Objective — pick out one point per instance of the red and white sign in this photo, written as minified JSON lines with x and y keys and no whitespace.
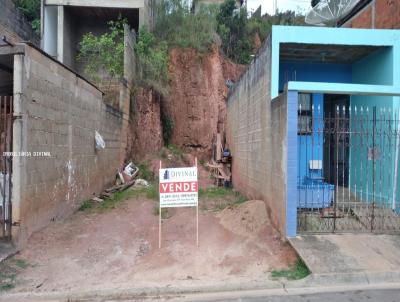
{"x":178,"y":187}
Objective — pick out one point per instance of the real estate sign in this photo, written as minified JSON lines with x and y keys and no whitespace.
{"x":178,"y":187}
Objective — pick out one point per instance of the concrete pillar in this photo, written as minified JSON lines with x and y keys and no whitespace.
{"x":60,"y":34}
{"x":17,"y":146}
{"x":143,"y":17}
{"x":50,"y":30}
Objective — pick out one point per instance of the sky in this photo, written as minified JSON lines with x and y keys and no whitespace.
{"x":283,"y":5}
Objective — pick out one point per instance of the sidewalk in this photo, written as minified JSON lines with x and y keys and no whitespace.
{"x":310,"y":284}
{"x":350,"y":258}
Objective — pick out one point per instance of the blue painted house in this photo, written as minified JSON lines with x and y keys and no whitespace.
{"x":339,"y":90}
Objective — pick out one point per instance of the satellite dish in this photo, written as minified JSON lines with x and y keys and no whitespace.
{"x":329,"y":12}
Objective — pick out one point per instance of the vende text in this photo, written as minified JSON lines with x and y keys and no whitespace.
{"x":178,"y":187}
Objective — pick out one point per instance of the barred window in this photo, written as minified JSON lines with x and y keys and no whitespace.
{"x":304,"y":122}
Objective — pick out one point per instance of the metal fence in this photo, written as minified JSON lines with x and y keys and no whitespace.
{"x":6,"y":118}
{"x":348,"y":169}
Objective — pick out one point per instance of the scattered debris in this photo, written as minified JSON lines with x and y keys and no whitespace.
{"x":220,"y":165}
{"x":97,"y":199}
{"x":120,"y":188}
{"x":131,"y":170}
{"x":141,"y":183}
{"x":100,"y":144}
{"x":124,"y":179}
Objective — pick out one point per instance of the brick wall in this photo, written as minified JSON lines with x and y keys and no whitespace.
{"x":14,"y":25}
{"x":381,"y":14}
{"x":59,"y":113}
{"x":257,"y":137}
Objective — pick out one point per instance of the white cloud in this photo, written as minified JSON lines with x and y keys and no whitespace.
{"x":283,"y":5}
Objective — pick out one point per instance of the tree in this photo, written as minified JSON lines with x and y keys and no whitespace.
{"x":233,"y":30}
{"x":104,"y":53}
{"x":31,"y":10}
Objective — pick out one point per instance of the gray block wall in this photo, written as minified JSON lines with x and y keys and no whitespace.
{"x":257,"y":137}
{"x":14,"y":25}
{"x":58,"y":112}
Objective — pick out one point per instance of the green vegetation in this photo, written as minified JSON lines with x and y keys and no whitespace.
{"x":216,"y":192}
{"x":9,"y":270}
{"x":168,"y":128}
{"x":176,"y":26}
{"x":104,"y":53}
{"x":152,"y":192}
{"x":298,"y":271}
{"x":179,"y":27}
{"x":152,"y":61}
{"x":31,"y":10}
{"x":218,"y":198}
{"x":165,"y":214}
{"x":145,"y":172}
{"x":113,"y":201}
{"x":176,"y":151}
{"x":238,"y":31}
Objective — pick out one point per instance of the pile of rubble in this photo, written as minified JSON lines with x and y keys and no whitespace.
{"x":220,"y":165}
{"x":125,"y":178}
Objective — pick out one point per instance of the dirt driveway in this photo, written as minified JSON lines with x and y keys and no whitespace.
{"x":118,"y":248}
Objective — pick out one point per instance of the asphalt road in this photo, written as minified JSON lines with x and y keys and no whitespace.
{"x":370,"y":295}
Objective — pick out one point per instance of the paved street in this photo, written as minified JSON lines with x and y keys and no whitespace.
{"x":372,"y":295}
{"x":354,"y":296}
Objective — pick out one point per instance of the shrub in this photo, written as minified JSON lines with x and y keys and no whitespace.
{"x":31,"y":10}
{"x":152,"y":59}
{"x":179,"y":27}
{"x":104,"y":53}
{"x":237,"y":31}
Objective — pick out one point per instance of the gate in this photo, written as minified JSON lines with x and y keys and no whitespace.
{"x":348,"y":174}
{"x":6,"y":118}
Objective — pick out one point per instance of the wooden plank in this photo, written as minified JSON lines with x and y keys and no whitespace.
{"x":218,"y":155}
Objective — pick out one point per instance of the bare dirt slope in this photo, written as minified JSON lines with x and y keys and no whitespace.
{"x":118,"y":248}
{"x":197,"y":103}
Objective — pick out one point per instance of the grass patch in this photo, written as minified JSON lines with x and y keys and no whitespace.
{"x":152,"y":192}
{"x":218,"y":198}
{"x":178,"y":153}
{"x":145,"y":172}
{"x":21,"y":263}
{"x":9,"y":270}
{"x":113,"y":201}
{"x":296,"y":272}
{"x":86,"y":205}
{"x":164,"y":212}
{"x":216,"y":192}
{"x":118,"y":197}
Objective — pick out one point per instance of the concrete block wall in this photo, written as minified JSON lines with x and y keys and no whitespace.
{"x":257,"y":137}
{"x":58,"y":112}
{"x":14,"y":25}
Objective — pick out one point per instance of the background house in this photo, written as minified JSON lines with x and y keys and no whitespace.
{"x":198,"y":3}
{"x":373,"y":14}
{"x":312,"y":128}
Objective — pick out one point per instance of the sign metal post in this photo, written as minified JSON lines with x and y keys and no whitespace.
{"x":178,"y":188}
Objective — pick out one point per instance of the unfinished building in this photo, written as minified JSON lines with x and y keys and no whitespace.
{"x":64,"y":22}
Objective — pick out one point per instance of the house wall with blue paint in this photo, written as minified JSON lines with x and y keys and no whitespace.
{"x":375,"y":69}
{"x":310,"y":147}
{"x":256,"y":105}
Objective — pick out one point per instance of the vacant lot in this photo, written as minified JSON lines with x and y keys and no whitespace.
{"x":114,"y":245}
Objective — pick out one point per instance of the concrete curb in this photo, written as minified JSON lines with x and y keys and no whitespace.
{"x":278,"y":287}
